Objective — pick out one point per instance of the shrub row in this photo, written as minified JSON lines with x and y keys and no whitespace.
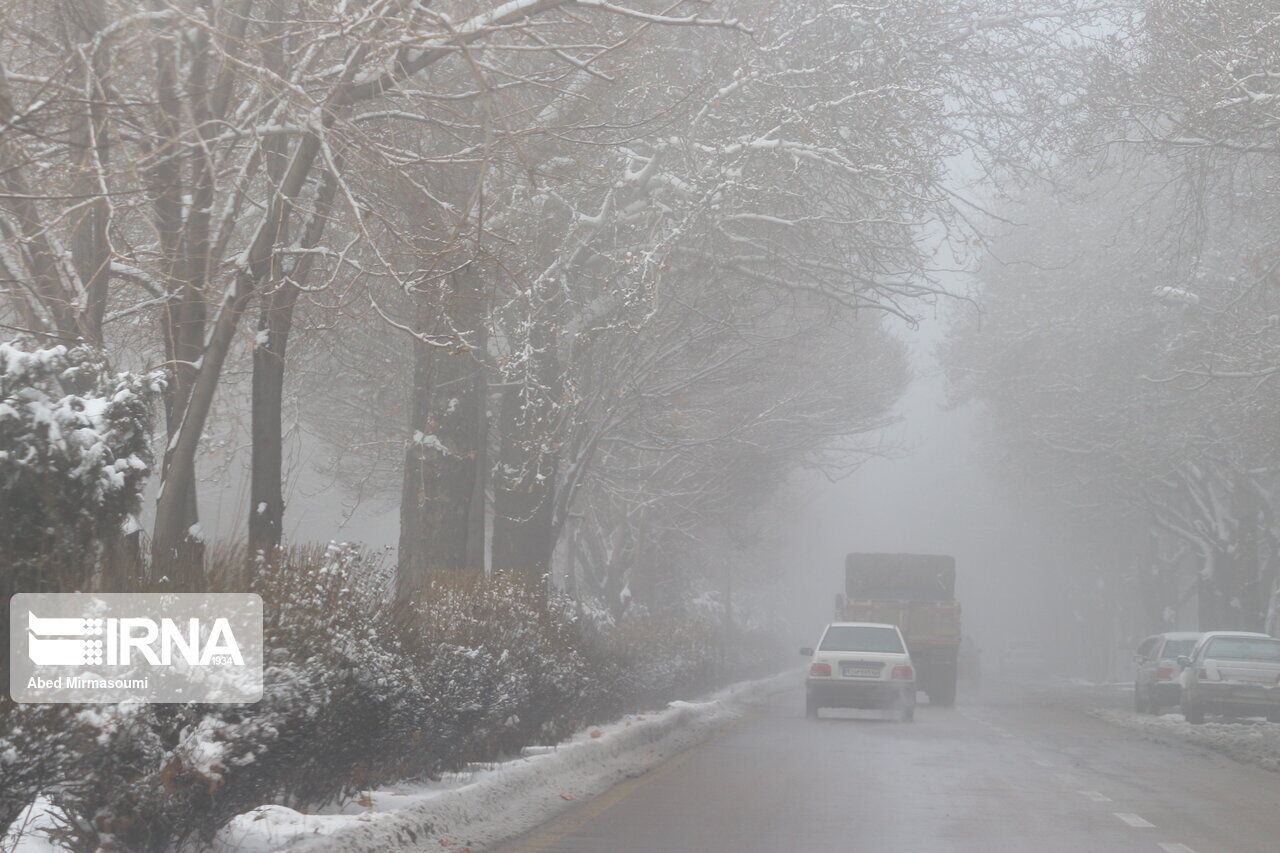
{"x":359,"y":692}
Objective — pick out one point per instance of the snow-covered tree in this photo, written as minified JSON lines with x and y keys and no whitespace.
{"x":1084,"y":364}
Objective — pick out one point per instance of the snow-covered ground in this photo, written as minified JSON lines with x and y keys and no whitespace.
{"x":475,"y":809}
{"x":487,"y":803}
{"x":27,"y":834}
{"x":1250,"y":741}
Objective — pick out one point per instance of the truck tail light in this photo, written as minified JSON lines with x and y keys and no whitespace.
{"x":1202,"y":673}
{"x":1164,"y":673}
{"x":905,"y":673}
{"x":820,"y":669}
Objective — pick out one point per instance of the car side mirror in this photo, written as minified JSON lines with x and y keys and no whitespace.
{"x":1139,"y":658}
{"x":807,"y":652}
{"x":1184,"y":661}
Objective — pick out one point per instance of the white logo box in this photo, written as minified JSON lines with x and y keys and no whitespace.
{"x":152,"y":647}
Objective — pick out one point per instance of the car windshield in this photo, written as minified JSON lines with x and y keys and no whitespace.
{"x":860,"y":638}
{"x":1244,"y":648}
{"x":1173,"y":648}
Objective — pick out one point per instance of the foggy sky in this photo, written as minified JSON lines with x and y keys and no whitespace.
{"x":932,"y":495}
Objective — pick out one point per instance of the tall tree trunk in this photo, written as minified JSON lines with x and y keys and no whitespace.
{"x":275,"y":321}
{"x":1230,"y":598}
{"x":1213,"y":610}
{"x":90,"y":251}
{"x":55,"y":295}
{"x":524,"y":532}
{"x":436,"y":515}
{"x":1272,"y":623}
{"x":183,"y":327}
{"x":1154,"y":581}
{"x":266,"y":467}
{"x":477,"y":515}
{"x":1232,"y":595}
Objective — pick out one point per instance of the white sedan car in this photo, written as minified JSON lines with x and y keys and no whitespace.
{"x":860,"y":665}
{"x":1232,"y":672}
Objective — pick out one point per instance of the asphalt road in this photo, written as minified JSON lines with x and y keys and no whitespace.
{"x":1002,"y":771}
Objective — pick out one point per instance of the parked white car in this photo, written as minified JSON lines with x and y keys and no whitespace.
{"x":1232,"y":672}
{"x":860,"y":665}
{"x":1157,"y":682}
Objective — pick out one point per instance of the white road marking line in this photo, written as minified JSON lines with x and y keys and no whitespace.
{"x":1168,"y":847}
{"x":1133,"y":820}
{"x":1096,"y":796}
{"x":1067,"y":778}
{"x":1041,"y":762}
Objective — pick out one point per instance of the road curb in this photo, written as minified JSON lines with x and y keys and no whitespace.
{"x":521,"y":794}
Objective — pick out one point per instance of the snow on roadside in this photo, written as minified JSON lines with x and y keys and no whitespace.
{"x":1249,"y":742}
{"x":495,"y":802}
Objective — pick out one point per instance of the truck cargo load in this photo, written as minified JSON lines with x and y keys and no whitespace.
{"x":910,"y":577}
{"x":916,"y":592}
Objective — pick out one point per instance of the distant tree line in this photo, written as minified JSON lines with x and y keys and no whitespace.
{"x":1128,"y":351}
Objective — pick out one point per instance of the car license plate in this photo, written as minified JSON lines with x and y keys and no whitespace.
{"x":860,"y":672}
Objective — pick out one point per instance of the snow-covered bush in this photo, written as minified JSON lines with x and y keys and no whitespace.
{"x":74,"y":456}
{"x":103,"y":768}
{"x":654,"y":657}
{"x":358,"y":692}
{"x":34,"y":749}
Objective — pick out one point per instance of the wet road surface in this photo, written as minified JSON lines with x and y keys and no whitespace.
{"x":1000,"y":772}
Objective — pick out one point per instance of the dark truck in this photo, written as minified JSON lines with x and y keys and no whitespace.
{"x":916,"y":592}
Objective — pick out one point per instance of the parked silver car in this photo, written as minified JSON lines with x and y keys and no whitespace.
{"x":1157,"y":683}
{"x":1232,"y":672}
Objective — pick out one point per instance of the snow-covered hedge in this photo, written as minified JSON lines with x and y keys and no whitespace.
{"x":358,"y":693}
{"x":74,"y":456}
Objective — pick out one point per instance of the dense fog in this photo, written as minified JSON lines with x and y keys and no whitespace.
{"x":480,"y":403}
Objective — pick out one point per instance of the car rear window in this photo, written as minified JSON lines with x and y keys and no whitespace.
{"x":860,"y":638}
{"x":1243,"y":648}
{"x":1173,"y":648}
